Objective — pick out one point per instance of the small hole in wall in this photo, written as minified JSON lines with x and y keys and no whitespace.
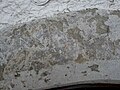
{"x":68,"y":67}
{"x":106,"y":75}
{"x":17,"y":75}
{"x":65,"y":74}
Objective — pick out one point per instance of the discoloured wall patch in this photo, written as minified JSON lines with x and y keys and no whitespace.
{"x":101,"y":28}
{"x":37,"y":66}
{"x":116,"y":12}
{"x":1,"y":72}
{"x":80,"y":59}
{"x":93,"y":11}
{"x":75,"y":33}
{"x":94,"y":67}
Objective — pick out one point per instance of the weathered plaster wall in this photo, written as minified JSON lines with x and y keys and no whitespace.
{"x":58,"y":43}
{"x":70,"y":47}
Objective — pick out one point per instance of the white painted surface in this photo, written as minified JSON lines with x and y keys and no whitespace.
{"x":19,"y":11}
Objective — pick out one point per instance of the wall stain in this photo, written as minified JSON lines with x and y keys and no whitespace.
{"x":89,"y":10}
{"x":94,"y":67}
{"x":37,"y":66}
{"x":101,"y":28}
{"x":45,"y":74}
{"x":115,"y":12}
{"x":84,"y":73}
{"x":1,"y":72}
{"x":54,"y":24}
{"x":80,"y":59}
{"x":75,"y":33}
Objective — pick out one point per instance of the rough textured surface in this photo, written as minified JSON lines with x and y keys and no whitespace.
{"x":70,"y":47}
{"x":19,"y":11}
